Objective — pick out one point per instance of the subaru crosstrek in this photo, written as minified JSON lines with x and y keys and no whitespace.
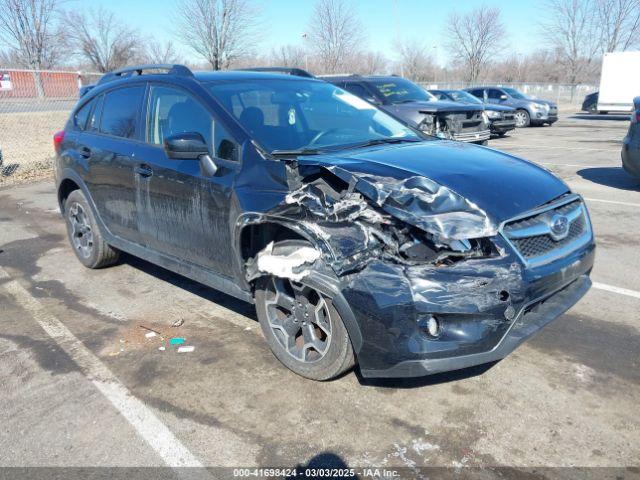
{"x":358,"y":238}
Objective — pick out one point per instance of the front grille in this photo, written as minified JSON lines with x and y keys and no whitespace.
{"x":475,"y":136}
{"x":535,"y":240}
{"x":508,"y":116}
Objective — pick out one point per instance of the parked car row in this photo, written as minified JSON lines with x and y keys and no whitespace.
{"x":359,"y":238}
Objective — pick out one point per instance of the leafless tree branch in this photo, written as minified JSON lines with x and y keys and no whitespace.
{"x":335,"y":34}
{"x":102,"y":40}
{"x":475,"y":37}
{"x":28,"y":28}
{"x":219,"y":31}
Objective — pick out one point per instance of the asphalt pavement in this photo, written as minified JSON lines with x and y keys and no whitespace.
{"x":83,"y":385}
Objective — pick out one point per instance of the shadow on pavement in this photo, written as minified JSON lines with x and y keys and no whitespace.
{"x":614,"y":117}
{"x":417,"y":382}
{"x":207,"y":293}
{"x":322,"y":466}
{"x":614,"y":177}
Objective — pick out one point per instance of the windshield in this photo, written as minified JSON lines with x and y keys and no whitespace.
{"x":306,"y":115}
{"x":462,"y":96}
{"x":516,"y":94}
{"x":399,"y":90}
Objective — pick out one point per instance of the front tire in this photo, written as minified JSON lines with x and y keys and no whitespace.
{"x":84,"y":234}
{"x":302,"y":327}
{"x":522,"y":118}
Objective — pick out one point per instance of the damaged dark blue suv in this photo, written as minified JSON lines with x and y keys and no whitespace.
{"x":358,"y":238}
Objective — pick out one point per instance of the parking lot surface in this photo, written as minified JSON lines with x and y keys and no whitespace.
{"x":84,"y":386}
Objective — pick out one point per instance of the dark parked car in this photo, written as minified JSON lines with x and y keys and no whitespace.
{"x":590,"y":103}
{"x":631,"y":143}
{"x":502,"y":119}
{"x":529,"y":111}
{"x":415,"y":106}
{"x":356,"y":236}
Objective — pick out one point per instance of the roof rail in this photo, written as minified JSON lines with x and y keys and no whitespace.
{"x":297,"y":72}
{"x":339,"y":75}
{"x":138,"y":69}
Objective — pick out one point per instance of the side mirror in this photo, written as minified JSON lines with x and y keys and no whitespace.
{"x":503,"y":97}
{"x":186,"y":146}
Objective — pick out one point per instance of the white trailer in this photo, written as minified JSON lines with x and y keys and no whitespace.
{"x":619,"y":81}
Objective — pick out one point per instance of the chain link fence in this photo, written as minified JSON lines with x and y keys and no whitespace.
{"x":33,"y":106}
{"x":36,"y":104}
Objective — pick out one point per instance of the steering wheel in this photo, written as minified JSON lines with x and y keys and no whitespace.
{"x":322,"y":134}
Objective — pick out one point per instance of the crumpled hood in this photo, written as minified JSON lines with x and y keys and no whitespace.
{"x":438,"y":106}
{"x":501,"y":185}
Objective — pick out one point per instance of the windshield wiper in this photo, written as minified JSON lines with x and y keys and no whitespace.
{"x":383,"y":141}
{"x":300,"y":151}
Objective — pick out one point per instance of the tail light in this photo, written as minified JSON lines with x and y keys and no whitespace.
{"x":58,"y":137}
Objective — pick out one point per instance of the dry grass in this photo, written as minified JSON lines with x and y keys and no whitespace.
{"x":26,"y":142}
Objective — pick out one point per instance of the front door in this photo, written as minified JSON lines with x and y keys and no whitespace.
{"x":183,"y":212}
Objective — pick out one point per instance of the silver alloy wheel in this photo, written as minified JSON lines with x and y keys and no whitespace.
{"x":81,"y":233}
{"x":521,"y":118}
{"x":299,"y":318}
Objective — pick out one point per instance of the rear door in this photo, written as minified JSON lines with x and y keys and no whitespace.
{"x":110,"y":144}
{"x":183,"y":212}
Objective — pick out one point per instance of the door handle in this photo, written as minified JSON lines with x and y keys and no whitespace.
{"x":85,"y":152}
{"x":143,"y":170}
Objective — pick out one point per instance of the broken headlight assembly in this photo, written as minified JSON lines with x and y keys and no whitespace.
{"x":429,"y":124}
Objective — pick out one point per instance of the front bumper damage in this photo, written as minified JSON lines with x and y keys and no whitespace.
{"x":460,"y":126}
{"x":386,"y":283}
{"x":503,"y":126}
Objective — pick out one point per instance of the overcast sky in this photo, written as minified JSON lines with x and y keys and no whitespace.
{"x":286,"y":20}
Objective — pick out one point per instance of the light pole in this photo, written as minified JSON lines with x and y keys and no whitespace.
{"x":306,"y":53}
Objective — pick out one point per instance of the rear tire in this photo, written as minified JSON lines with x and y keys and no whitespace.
{"x":300,"y":324}
{"x":84,"y":234}
{"x":522,"y":118}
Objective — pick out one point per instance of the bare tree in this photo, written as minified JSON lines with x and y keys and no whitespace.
{"x":335,"y":34}
{"x":29,"y":29}
{"x":475,"y":37}
{"x":415,"y":61}
{"x":103,"y":41}
{"x":572,"y":31}
{"x":619,"y":24}
{"x":370,"y":63}
{"x":289,"y":56}
{"x":158,"y":52}
{"x":219,"y":31}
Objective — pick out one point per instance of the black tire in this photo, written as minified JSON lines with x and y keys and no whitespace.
{"x":84,"y":234}
{"x":336,"y":355}
{"x":522,"y":118}
{"x":502,"y":134}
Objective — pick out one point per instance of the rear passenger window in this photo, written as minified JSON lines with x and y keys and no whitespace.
{"x":82,"y":115}
{"x":120,"y":112}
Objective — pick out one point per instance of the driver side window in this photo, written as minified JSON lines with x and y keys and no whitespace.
{"x":173,"y":111}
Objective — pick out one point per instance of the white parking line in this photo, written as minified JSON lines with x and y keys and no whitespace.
{"x":576,"y":165}
{"x":143,"y":420}
{"x":614,"y":202}
{"x":618,"y":290}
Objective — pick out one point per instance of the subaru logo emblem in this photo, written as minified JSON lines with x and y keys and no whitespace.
{"x":559,"y":227}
